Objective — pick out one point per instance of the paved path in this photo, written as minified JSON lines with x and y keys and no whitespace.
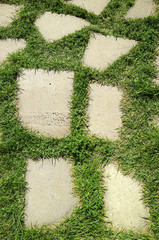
{"x":45,"y":105}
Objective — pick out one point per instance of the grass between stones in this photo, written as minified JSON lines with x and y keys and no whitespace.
{"x":137,"y":150}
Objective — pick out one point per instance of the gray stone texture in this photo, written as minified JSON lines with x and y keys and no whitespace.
{"x":91,"y":5}
{"x":10,"y":46}
{"x":124,"y":206}
{"x":104,"y":111}
{"x":44,"y":101}
{"x":49,"y":196}
{"x":7,"y":12}
{"x":141,"y":9}
{"x":54,"y":26}
{"x":102,"y":50}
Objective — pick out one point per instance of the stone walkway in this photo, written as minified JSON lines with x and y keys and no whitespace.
{"x":44,"y":103}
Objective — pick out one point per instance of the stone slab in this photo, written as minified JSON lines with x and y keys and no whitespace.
{"x":7,"y":12}
{"x":104,"y":50}
{"x":104,"y":111}
{"x":44,"y":101}
{"x":49,"y":196}
{"x":141,"y":9}
{"x":123,"y":201}
{"x":10,"y":46}
{"x":54,"y":26}
{"x":91,"y":5}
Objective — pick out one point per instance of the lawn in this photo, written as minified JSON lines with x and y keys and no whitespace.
{"x":137,"y":150}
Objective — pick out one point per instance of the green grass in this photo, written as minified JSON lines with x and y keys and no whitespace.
{"x":137,"y":151}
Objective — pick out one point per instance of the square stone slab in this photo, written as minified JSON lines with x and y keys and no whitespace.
{"x":10,"y":46}
{"x":49,"y":197}
{"x":54,"y":26}
{"x":44,"y":99}
{"x":104,"y":111}
{"x":123,"y":201}
{"x":104,"y":50}
{"x":91,"y":5}
{"x":141,"y":9}
{"x":7,"y":12}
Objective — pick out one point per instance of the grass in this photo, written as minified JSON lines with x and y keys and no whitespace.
{"x":137,"y":151}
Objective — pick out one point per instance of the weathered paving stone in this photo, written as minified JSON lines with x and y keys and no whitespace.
{"x":49,"y":197}
{"x":123,"y":201}
{"x":7,"y":12}
{"x":91,"y":5}
{"x":141,"y":9}
{"x":10,"y":46}
{"x":104,"y":111}
{"x":104,"y":50}
{"x":44,"y":101}
{"x":54,"y":26}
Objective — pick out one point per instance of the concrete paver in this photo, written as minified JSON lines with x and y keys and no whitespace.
{"x":54,"y":26}
{"x":9,"y":46}
{"x":44,"y":101}
{"x":49,"y":197}
{"x":91,"y":5}
{"x":7,"y":12}
{"x":104,"y":111}
{"x":123,"y":201}
{"x":104,"y":50}
{"x":141,"y":9}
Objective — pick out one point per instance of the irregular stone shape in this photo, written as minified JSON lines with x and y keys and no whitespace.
{"x":123,"y":201}
{"x":104,"y":111}
{"x":91,"y":5}
{"x":141,"y":9}
{"x":44,"y":101}
{"x":10,"y":46}
{"x":54,"y":26}
{"x":49,"y":196}
{"x":104,"y":50}
{"x":7,"y":12}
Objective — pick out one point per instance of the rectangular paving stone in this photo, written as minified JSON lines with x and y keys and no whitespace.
{"x":49,"y":196}
{"x":104,"y":111}
{"x":44,"y":101}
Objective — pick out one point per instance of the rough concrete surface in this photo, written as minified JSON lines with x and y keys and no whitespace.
{"x":7,"y":12}
{"x":49,"y":197}
{"x":10,"y":46}
{"x":104,"y":50}
{"x":54,"y":26}
{"x":141,"y":9}
{"x":104,"y":111}
{"x":44,"y":101}
{"x":123,"y":201}
{"x":91,"y":5}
